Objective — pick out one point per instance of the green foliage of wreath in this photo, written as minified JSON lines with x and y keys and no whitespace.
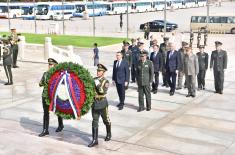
{"x":84,"y":76}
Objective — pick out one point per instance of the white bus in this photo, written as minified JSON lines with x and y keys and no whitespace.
{"x":189,"y":3}
{"x":100,"y":8}
{"x":14,"y":10}
{"x":27,"y":11}
{"x":217,"y":23}
{"x":47,"y":10}
{"x":201,"y":3}
{"x":143,"y":6}
{"x":177,"y":4}
{"x":159,"y":5}
{"x":118,"y":7}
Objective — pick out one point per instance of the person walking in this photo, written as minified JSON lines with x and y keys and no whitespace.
{"x":120,"y":78}
{"x":96,"y":54}
{"x":164,"y":47}
{"x":100,"y":106}
{"x":156,"y":58}
{"x":145,"y":73}
{"x":203,"y":66}
{"x":182,"y":52}
{"x":219,"y":62}
{"x":43,"y":83}
{"x":172,"y":67}
{"x":134,"y":59}
{"x":191,"y":70}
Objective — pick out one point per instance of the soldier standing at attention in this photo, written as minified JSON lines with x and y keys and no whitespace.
{"x":14,"y":43}
{"x":205,"y":37}
{"x":191,"y":70}
{"x":127,"y":54}
{"x":96,"y":54}
{"x":203,"y":66}
{"x":182,"y":52}
{"x":191,"y":39}
{"x":134,"y":58}
{"x":7,"y":62}
{"x":43,"y":83}
{"x":100,"y":105}
{"x":218,"y":62}
{"x":145,"y":73}
{"x":163,"y":49}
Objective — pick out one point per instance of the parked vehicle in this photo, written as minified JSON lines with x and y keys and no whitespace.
{"x":158,"y":26}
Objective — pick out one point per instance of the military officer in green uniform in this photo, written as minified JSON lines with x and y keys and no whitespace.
{"x":7,"y":62}
{"x":127,"y":54}
{"x":100,"y":105}
{"x":14,"y":46}
{"x":218,"y":62}
{"x":145,"y":74}
{"x":164,"y":48}
{"x":43,"y":83}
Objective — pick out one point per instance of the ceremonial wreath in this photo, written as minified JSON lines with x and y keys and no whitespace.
{"x":70,"y":90}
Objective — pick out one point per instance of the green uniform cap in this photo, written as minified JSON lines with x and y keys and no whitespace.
{"x":101,"y":68}
{"x":52,"y":61}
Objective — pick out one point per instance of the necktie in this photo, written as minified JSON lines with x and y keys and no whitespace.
{"x":118,"y":64}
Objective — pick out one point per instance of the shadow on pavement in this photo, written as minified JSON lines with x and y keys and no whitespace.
{"x":69,"y":134}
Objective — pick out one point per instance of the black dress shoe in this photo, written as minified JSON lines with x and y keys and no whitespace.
{"x":44,"y":133}
{"x":140,"y":109}
{"x":120,"y":108}
{"x":148,"y":109}
{"x":11,"y":83}
{"x":6,"y":83}
{"x":178,"y":88}
{"x":119,"y":105}
{"x":15,"y":66}
{"x":59,"y":129}
{"x":188,"y":95}
{"x":203,"y":88}
{"x":220,"y":92}
{"x":171,"y":93}
{"x":155,"y":91}
{"x":193,"y":95}
{"x":216,"y":92}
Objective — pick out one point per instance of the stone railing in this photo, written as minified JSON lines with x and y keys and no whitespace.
{"x":51,"y":51}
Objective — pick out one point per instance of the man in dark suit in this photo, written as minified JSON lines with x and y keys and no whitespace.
{"x":156,"y":58}
{"x":120,"y":77}
{"x":218,"y":62}
{"x":172,"y":67}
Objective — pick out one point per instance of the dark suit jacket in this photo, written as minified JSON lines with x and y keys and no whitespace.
{"x":219,"y":60}
{"x":202,"y":60}
{"x":121,"y":74}
{"x":157,"y":61}
{"x":172,"y":63}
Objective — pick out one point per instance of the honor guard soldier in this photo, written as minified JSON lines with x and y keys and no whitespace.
{"x":163,"y":49}
{"x":199,"y":36}
{"x":100,"y":105}
{"x":203,"y":66}
{"x":191,"y":38}
{"x":218,"y":62}
{"x":7,"y":62}
{"x":145,"y":72}
{"x":43,"y":83}
{"x":14,"y":44}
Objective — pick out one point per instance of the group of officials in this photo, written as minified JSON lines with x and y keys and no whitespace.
{"x":9,"y":53}
{"x":145,"y":68}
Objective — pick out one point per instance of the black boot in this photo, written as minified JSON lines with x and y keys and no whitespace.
{"x":61,"y":125}
{"x":108,"y":130}
{"x":94,"y":137}
{"x":45,"y":127}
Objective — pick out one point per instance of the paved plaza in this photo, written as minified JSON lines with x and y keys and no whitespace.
{"x":176,"y":125}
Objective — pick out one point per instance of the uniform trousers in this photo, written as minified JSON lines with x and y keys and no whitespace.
{"x":96,"y":113}
{"x":144,"y":90}
{"x":219,"y":80}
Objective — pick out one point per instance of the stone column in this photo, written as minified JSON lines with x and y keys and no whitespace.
{"x":21,"y":47}
{"x":47,"y":48}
